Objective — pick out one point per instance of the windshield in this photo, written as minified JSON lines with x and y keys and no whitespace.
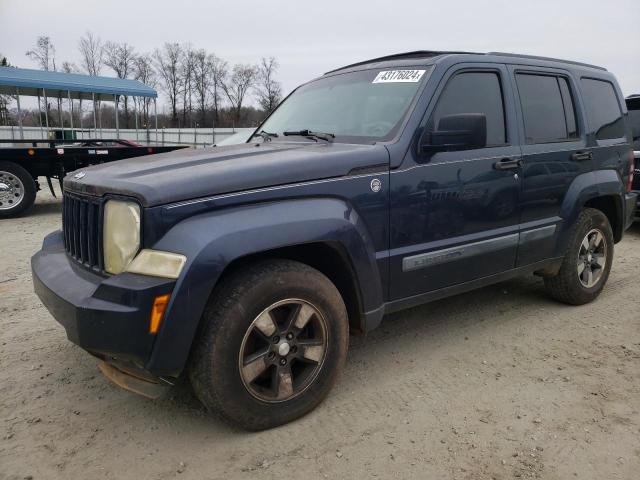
{"x":358,"y":107}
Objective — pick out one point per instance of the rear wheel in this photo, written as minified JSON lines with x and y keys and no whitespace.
{"x":273,"y":343}
{"x":587,"y":261}
{"x":17,"y":189}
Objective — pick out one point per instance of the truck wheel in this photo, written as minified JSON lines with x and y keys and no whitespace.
{"x":17,"y":189}
{"x":273,"y":342}
{"x":587,"y":261}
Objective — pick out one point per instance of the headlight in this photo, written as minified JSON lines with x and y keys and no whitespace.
{"x":121,"y":237}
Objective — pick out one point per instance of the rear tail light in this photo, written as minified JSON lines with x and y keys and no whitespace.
{"x":631,"y":169}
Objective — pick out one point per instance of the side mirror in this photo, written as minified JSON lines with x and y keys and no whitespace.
{"x":463,"y":131}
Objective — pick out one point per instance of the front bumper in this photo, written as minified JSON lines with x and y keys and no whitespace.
{"x":106,"y":315}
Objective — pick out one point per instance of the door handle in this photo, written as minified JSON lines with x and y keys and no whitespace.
{"x":581,"y":156}
{"x":508,"y":164}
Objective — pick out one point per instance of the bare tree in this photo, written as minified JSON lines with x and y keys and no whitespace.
{"x":168,"y":66}
{"x":5,"y":100}
{"x":186,"y":71}
{"x":44,"y":53}
{"x":143,"y":71}
{"x":219,"y":72}
{"x":208,"y":73}
{"x":91,"y":50}
{"x":236,"y":86}
{"x":120,"y":58}
{"x":268,"y":90}
{"x":92,"y":53}
{"x":202,"y":80}
{"x":70,"y":67}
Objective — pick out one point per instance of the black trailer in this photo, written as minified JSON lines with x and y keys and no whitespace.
{"x":23,"y":161}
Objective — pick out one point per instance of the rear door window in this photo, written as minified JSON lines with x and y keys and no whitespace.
{"x":603,"y":109}
{"x":547,"y":108}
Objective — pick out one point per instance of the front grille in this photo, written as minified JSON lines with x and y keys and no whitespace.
{"x":81,"y":224}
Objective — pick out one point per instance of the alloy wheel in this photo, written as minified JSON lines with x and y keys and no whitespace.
{"x":592,"y":258}
{"x":283,"y":350}
{"x":11,"y":191}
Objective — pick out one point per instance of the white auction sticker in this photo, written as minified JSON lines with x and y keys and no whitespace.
{"x":393,"y":76}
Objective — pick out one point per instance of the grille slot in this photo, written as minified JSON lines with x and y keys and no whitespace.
{"x":81,"y":220}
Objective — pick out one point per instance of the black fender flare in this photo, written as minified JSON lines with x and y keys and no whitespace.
{"x":586,"y":187}
{"x":212,"y":240}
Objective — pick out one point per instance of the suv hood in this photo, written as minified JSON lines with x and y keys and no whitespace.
{"x":187,"y":174}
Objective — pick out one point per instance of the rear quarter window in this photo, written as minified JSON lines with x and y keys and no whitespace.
{"x":603,"y":110}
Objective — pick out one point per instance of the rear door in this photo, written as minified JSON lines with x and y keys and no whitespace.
{"x":554,"y":151}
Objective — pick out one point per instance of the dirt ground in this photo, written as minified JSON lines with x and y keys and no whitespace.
{"x":500,"y":383}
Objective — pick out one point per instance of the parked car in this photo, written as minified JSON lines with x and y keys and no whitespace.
{"x":377,"y":187}
{"x":633,"y":106}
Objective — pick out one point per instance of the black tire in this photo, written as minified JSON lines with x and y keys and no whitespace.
{"x":567,"y":286}
{"x":27,"y":190}
{"x":215,"y":364}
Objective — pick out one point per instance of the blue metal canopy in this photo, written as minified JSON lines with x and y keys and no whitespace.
{"x":30,"y":82}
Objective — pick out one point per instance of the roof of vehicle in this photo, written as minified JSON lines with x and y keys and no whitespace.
{"x":431,"y":56}
{"x":32,"y":82}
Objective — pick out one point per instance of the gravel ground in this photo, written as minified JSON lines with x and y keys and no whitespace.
{"x":499,"y":383}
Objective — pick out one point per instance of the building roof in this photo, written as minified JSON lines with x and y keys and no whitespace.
{"x":32,"y":82}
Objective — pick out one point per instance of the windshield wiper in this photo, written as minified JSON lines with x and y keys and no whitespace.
{"x":309,"y":134}
{"x":266,"y":136}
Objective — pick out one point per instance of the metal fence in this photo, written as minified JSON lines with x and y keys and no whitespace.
{"x":196,"y":137}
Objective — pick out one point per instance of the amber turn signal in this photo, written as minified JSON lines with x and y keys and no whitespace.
{"x":157,"y":312}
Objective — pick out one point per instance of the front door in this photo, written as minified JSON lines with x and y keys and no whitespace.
{"x":454,"y":214}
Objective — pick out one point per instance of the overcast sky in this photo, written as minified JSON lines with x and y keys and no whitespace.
{"x":311,"y":37}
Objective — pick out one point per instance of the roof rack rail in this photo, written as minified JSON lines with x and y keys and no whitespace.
{"x":398,"y":56}
{"x":550,"y":59}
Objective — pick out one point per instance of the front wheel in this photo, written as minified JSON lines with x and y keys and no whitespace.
{"x":587,"y":261}
{"x":273,"y":342}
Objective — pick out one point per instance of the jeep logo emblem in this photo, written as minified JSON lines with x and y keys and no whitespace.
{"x":79,"y":175}
{"x":376,"y":185}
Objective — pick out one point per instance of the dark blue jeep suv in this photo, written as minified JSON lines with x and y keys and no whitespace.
{"x":376,"y":187}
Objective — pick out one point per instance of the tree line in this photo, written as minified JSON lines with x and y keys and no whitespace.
{"x":201,"y":89}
